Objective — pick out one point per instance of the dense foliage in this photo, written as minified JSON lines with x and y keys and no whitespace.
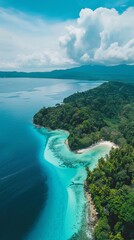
{"x":106,"y":112}
{"x":111,"y":185}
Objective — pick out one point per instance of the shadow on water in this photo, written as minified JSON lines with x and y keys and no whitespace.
{"x":21,"y":194}
{"x":23,"y":179}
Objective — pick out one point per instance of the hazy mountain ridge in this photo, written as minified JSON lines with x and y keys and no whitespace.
{"x":86,"y":72}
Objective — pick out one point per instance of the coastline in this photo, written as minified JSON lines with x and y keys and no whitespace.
{"x":80,"y":151}
{"x":92,"y":215}
{"x":99,"y":143}
{"x":92,"y":212}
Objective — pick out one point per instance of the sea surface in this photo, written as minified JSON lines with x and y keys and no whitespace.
{"x":41,"y":180}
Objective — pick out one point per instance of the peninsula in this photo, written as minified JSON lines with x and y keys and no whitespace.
{"x":104,"y":113}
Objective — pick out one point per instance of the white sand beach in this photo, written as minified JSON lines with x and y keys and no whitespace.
{"x":100,"y":143}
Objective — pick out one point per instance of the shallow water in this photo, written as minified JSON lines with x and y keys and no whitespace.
{"x":37,"y":200}
{"x":70,"y":202}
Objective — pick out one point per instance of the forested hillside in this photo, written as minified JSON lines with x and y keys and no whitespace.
{"x":106,"y":112}
{"x":111,"y":185}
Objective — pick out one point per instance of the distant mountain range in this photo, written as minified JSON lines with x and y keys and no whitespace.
{"x":86,"y":72}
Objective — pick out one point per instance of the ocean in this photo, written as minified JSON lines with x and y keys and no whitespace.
{"x":41,"y":180}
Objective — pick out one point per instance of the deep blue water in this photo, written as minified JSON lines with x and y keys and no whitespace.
{"x":25,"y":176}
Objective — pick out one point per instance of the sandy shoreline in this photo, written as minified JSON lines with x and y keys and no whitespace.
{"x":100,"y":143}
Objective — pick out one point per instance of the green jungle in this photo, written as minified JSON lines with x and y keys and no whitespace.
{"x":103,"y":113}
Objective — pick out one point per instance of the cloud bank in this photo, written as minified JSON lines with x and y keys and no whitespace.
{"x":30,"y":43}
{"x":102,"y":36}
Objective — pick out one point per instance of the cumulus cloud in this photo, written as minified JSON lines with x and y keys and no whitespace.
{"x":30,"y":43}
{"x":102,"y":36}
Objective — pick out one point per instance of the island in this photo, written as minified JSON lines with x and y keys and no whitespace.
{"x":104,"y":113}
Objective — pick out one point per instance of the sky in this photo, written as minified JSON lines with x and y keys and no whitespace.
{"x":45,"y":35}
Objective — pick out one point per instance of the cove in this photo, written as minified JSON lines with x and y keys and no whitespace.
{"x":41,"y":190}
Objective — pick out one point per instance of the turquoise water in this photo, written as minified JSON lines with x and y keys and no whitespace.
{"x":41,"y":180}
{"x":69,"y":198}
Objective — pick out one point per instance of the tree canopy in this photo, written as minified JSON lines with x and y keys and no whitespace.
{"x":106,"y":112}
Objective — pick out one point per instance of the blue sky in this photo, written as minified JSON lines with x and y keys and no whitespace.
{"x":44,"y":35}
{"x":62,"y":9}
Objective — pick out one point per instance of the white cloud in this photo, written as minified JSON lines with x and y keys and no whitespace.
{"x":30,"y":43}
{"x":102,"y":36}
